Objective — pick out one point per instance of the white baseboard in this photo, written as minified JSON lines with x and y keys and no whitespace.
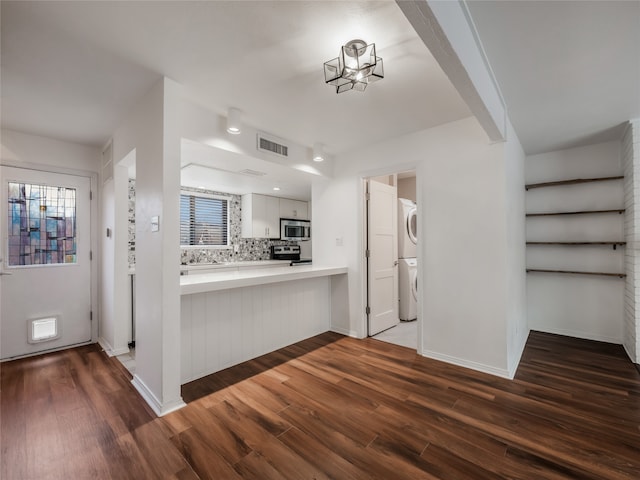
{"x":518,"y":356}
{"x":498,"y":372}
{"x":344,"y":331}
{"x":631,"y":357}
{"x":109,"y":350}
{"x":153,"y":401}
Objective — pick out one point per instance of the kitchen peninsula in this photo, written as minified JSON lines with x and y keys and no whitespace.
{"x":228,"y":317}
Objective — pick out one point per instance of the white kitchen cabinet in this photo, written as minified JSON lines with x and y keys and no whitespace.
{"x":260,"y":216}
{"x":294,"y":209}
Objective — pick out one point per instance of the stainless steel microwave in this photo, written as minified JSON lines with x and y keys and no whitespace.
{"x":295,"y":230}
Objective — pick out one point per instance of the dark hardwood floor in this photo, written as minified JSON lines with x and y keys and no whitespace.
{"x":330,"y":407}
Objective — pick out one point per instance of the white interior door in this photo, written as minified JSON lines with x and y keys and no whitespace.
{"x":382,"y":268}
{"x":45,"y":282}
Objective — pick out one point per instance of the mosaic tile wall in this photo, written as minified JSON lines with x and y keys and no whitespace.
{"x":132,"y":222}
{"x":249,"y":249}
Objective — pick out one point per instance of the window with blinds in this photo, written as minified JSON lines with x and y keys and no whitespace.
{"x":204,"y":220}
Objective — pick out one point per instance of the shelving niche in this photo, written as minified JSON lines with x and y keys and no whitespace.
{"x":613,"y":244}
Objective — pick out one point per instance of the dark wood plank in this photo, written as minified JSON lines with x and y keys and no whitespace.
{"x":577,"y":243}
{"x":581,"y":212}
{"x":331,"y":407}
{"x":576,"y":272}
{"x":573,"y":181}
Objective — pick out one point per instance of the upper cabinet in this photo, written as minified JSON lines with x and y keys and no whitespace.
{"x":294,"y":209}
{"x":260,"y":216}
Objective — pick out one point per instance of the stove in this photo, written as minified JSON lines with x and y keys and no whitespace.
{"x":285,"y":252}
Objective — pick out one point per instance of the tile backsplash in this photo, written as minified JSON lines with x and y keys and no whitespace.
{"x":132,"y":222}
{"x":248,"y":249}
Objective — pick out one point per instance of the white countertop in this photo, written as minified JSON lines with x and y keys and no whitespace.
{"x":194,"y":267}
{"x":224,"y":280}
{"x":239,"y":264}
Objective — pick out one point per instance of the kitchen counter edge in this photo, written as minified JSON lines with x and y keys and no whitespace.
{"x":210,"y":282}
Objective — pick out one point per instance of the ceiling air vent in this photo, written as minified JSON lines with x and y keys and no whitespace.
{"x":255,"y":173}
{"x":272,"y":145}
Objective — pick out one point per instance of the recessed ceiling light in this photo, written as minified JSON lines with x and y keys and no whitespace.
{"x":277,"y":189}
{"x":318,"y":152}
{"x":233,"y":121}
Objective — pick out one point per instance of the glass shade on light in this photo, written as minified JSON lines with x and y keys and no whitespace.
{"x":355,"y":67}
{"x":233,"y":121}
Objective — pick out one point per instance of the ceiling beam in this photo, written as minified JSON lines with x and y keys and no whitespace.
{"x":448,"y":32}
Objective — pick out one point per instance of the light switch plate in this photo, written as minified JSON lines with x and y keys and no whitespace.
{"x":155,"y":223}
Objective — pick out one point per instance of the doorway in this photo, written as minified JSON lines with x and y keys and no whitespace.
{"x":45,"y":282}
{"x":391,"y":256}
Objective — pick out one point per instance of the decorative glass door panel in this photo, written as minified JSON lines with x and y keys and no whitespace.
{"x":41,"y":224}
{"x":45,"y":272}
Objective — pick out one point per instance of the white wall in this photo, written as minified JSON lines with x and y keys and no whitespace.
{"x":576,"y":305}
{"x":224,"y":328}
{"x":35,"y":151}
{"x":115,"y":317}
{"x":518,"y":328}
{"x":336,"y":226}
{"x":152,"y":130}
{"x":204,"y":126}
{"x":407,"y":188}
{"x":631,"y":162}
{"x":107,"y":262}
{"x":462,"y":249}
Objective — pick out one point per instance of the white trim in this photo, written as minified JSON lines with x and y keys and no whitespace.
{"x":344,"y":331}
{"x":42,"y":352}
{"x":480,"y":367}
{"x":109,"y":350}
{"x":148,"y":396}
{"x":95,"y":218}
{"x":363,"y":177}
{"x":94,"y":245}
{"x":633,"y":360}
{"x":518,"y":356}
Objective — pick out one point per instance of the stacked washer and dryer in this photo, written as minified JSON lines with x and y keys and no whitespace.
{"x":408,"y":274}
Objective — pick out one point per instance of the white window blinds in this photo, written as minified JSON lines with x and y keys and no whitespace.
{"x":203,"y":220}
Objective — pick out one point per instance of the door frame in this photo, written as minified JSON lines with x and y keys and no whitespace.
{"x":362,"y":246}
{"x":96,"y":193}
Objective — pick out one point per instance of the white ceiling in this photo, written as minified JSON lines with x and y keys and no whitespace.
{"x":569,"y":70}
{"x":220,"y":170}
{"x":71,"y":70}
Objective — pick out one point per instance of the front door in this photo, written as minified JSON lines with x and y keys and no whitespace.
{"x":45,"y":267}
{"x":382,"y":265}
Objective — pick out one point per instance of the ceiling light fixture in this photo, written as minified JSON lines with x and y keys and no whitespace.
{"x":355,"y":68}
{"x":318,"y":152}
{"x":233,"y":121}
{"x":277,"y":189}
